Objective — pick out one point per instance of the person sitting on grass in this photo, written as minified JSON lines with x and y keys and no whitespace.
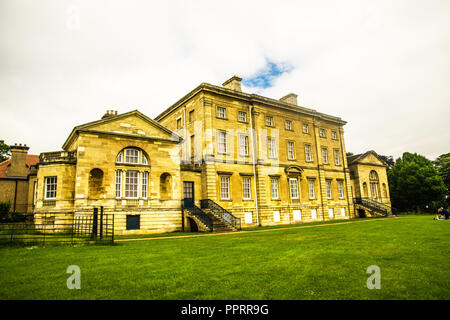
{"x":444,"y":214}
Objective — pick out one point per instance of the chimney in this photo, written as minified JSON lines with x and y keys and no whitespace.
{"x":290,"y":98}
{"x":109,"y":113}
{"x":18,"y":167}
{"x":234,"y":83}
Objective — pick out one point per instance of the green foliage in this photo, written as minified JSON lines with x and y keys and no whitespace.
{"x":5,"y":151}
{"x":389,"y":161}
{"x":415,"y":183}
{"x":442,"y":165}
{"x":4,"y":208}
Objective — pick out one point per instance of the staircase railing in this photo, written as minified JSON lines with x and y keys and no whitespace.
{"x":221,"y":213}
{"x":200,"y":215}
{"x":374,"y":205}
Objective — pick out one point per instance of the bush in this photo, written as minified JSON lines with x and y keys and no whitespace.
{"x":4,"y":208}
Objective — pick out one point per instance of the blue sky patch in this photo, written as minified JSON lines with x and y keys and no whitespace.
{"x":264,"y":78}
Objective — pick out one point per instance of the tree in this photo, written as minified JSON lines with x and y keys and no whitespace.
{"x":442,"y":165}
{"x":348,"y":154}
{"x":415,"y":183}
{"x":5,"y":151}
{"x":389,"y":161}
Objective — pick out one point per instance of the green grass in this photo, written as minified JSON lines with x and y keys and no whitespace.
{"x":326,"y":262}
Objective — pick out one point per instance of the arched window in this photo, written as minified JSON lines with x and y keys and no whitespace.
{"x":373,"y":175}
{"x":165,"y":186}
{"x":132,"y":156}
{"x":95,"y":183}
{"x":374,"y":185}
{"x":365,"y":193}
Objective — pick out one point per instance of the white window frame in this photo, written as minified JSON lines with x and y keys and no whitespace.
{"x":242,"y":116}
{"x":222,"y":143}
{"x":341,"y":189}
{"x":311,"y":189}
{"x":297,"y":215}
{"x":291,"y":150}
{"x":333,"y":135}
{"x":337,"y":159}
{"x":269,"y":121}
{"x":127,"y":190}
{"x":144,"y":191}
{"x":342,"y":212}
{"x":271,"y":145}
{"x":243,"y":145}
{"x":314,"y":214}
{"x":246,"y":188}
{"x":221,"y":112}
{"x":274,"y":183}
{"x":293,"y":188}
{"x":308,"y":153}
{"x":288,"y":125}
{"x":135,"y":155}
{"x":118,"y":184}
{"x":48,"y":181}
{"x":329,"y":190}
{"x":305,"y":128}
{"x":325,"y":155}
{"x":248,"y":217}
{"x":225,"y":188}
{"x":322,"y":133}
{"x":330,"y":212}
{"x":276,"y":216}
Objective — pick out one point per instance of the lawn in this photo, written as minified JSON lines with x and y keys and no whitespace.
{"x":318,"y":262}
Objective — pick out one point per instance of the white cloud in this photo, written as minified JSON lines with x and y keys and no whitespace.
{"x":381,"y":65}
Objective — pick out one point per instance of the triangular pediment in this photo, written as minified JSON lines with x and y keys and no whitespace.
{"x":370,"y":157}
{"x":133,"y":123}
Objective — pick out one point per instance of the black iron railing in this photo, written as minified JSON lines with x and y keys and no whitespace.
{"x":201,"y":216}
{"x":221,"y":213}
{"x":374,"y":205}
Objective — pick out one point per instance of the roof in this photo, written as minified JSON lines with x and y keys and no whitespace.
{"x":32,"y":159}
{"x":249,"y":98}
{"x":116,"y":117}
{"x":358,"y":157}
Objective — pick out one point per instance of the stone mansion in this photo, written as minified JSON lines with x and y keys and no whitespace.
{"x":218,"y":159}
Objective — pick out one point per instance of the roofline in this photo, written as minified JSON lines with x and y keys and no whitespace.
{"x":108,"y":119}
{"x":249,"y":98}
{"x":360,"y":156}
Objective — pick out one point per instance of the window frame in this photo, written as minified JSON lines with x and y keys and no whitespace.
{"x":291,"y":151}
{"x":246,"y":182}
{"x":46,"y":185}
{"x":223,"y":143}
{"x":296,"y":190}
{"x":127,"y":184}
{"x":308,"y":146}
{"x":244,"y":120}
{"x":325,"y":155}
{"x":337,"y":158}
{"x":341,"y":189}
{"x":227,"y":189}
{"x":272,"y":146}
{"x":275,"y":182}
{"x":329,"y":189}
{"x":305,"y":126}
{"x":312,"y":189}
{"x":219,"y":112}
{"x":269,"y":123}
{"x":286,"y":126}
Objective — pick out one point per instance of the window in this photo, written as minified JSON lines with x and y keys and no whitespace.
{"x":330,"y":213}
{"x":312,"y":194}
{"x":132,"y":156}
{"x":305,"y":128}
{"x":243,"y":144}
{"x":314,"y":214}
{"x":222,"y":141}
{"x":293,"y":186}
{"x":343,"y":212}
{"x":325,"y":155}
{"x":246,"y":194}
{"x":308,"y":154}
{"x":274,"y":185}
{"x":118,"y":183}
{"x":341,"y":189}
{"x":133,"y":222}
{"x":248,"y":218}
{"x":276,"y":216}
{"x":373,"y":175}
{"x":131,"y":184}
{"x":288,"y":124}
{"x":179,"y":123}
{"x":291,"y":153}
{"x":329,"y":194}
{"x":322,"y":133}
{"x":191,"y":115}
{"x":297,"y":215}
{"x":334,"y":135}
{"x":271,"y":145}
{"x":144,"y":184}
{"x":221,"y":113}
{"x":374,"y":190}
{"x":242,"y":116}
{"x":337,"y":160}
{"x":50,"y":188}
{"x":225,"y":188}
{"x":269,"y":121}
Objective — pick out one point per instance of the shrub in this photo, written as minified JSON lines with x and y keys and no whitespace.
{"x":4,"y":209}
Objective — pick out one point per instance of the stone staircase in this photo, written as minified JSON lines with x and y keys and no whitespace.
{"x":218,"y":224}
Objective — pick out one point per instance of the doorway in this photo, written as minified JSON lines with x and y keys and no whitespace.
{"x":188,"y":194}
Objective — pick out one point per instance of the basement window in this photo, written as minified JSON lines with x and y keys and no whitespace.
{"x":133,"y":222}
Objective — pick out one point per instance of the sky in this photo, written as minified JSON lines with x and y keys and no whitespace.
{"x":382,"y":66}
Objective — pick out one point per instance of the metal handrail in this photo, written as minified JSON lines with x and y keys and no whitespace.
{"x":200,"y":215}
{"x":374,"y":205}
{"x":222,"y":213}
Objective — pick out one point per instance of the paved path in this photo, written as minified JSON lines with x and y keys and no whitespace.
{"x":253,"y":231}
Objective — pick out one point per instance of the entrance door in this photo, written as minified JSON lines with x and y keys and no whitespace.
{"x":188,"y":190}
